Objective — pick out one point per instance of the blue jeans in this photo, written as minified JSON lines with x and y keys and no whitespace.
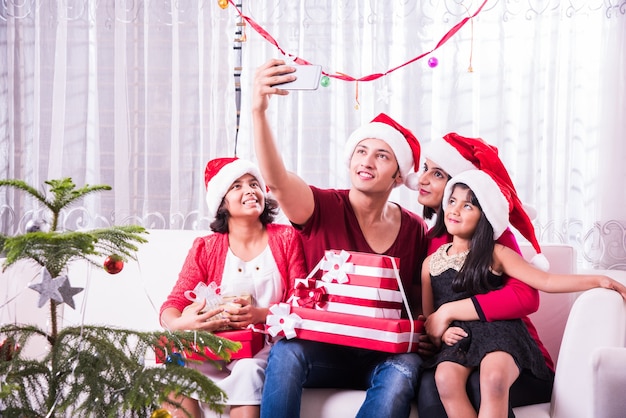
{"x":390,"y":379}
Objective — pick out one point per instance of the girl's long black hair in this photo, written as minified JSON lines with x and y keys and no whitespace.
{"x":474,"y":275}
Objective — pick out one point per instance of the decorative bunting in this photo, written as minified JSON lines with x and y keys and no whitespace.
{"x":370,"y":77}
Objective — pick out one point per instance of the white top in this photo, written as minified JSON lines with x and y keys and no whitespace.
{"x":242,"y":379}
{"x":258,"y":278}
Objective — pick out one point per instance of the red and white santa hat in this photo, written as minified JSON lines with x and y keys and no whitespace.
{"x":220,"y":174}
{"x":455,"y":153}
{"x":501,"y":206}
{"x":401,"y":140}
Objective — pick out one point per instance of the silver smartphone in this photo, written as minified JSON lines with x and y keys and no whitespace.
{"x":308,"y":78}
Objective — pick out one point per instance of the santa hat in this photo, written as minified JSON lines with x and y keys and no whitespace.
{"x":455,"y":153}
{"x":401,"y":140}
{"x":220,"y":174}
{"x":501,"y":206}
{"x":446,"y":152}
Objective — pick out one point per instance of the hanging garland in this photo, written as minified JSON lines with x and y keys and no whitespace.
{"x":345,"y":77}
{"x":240,"y":37}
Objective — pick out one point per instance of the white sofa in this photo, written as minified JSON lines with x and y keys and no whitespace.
{"x":586,"y":334}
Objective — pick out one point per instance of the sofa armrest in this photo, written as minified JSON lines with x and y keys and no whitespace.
{"x":609,"y":380}
{"x":597,"y":319}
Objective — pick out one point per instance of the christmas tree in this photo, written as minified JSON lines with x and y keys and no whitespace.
{"x":91,"y":370}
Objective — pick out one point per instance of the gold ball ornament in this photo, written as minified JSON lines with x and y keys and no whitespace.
{"x":223,"y":3}
{"x":161,"y":413}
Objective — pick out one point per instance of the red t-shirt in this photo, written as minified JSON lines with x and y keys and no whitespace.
{"x":334,"y":226}
{"x":514,"y":300}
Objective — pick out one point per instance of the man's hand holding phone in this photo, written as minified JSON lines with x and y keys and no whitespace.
{"x":276,"y":77}
{"x":307,"y":78}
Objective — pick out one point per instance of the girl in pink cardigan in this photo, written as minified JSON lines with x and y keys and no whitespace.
{"x":252,"y":260}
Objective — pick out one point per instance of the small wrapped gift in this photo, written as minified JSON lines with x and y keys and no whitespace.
{"x":251,"y":339}
{"x":389,"y":335}
{"x":210,"y":293}
{"x":251,"y":343}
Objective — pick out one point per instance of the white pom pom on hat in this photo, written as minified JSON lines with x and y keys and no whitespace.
{"x":219,"y":175}
{"x":404,"y":144}
{"x":501,"y":206}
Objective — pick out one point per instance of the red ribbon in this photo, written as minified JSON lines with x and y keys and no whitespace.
{"x":371,"y":77}
{"x":309,"y":296}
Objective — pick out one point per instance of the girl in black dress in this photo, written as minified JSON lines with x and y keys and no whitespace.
{"x":476,"y":212}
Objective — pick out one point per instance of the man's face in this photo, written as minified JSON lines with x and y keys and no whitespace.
{"x":374,"y":166}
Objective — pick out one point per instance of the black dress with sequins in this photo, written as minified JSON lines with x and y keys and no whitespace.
{"x":510,"y":336}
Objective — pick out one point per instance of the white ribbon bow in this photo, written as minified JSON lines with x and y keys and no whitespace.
{"x":337,"y":267}
{"x":281,"y":319}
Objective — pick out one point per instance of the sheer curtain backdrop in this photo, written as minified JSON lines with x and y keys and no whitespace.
{"x":141,"y":94}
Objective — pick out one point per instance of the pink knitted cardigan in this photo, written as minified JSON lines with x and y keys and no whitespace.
{"x":206,"y":258}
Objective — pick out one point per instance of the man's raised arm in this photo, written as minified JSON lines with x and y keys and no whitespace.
{"x":292,"y":192}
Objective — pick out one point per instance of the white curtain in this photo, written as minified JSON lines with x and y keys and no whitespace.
{"x":141,"y":94}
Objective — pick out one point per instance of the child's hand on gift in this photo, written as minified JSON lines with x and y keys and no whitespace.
{"x":194,"y":317}
{"x":242,"y":313}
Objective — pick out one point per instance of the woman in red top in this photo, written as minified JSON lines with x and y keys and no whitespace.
{"x":444,"y":158}
{"x":247,"y":254}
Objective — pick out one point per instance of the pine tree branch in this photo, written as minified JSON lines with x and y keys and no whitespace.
{"x":102,"y":371}
{"x":22,"y":185}
{"x":92,"y":370}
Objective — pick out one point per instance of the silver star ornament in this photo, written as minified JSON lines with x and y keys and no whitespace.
{"x":58,"y":289}
{"x":48,"y":288}
{"x":68,"y":292}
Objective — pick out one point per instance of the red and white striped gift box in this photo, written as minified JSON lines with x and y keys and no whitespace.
{"x":389,"y":335}
{"x":352,"y":283}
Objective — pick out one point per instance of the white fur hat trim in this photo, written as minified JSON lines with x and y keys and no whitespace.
{"x":393,"y":137}
{"x":442,"y":153}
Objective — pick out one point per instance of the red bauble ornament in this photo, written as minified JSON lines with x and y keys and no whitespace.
{"x":113,"y":264}
{"x":8,"y":348}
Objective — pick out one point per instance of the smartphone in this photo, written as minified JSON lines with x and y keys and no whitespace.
{"x":308,"y":78}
